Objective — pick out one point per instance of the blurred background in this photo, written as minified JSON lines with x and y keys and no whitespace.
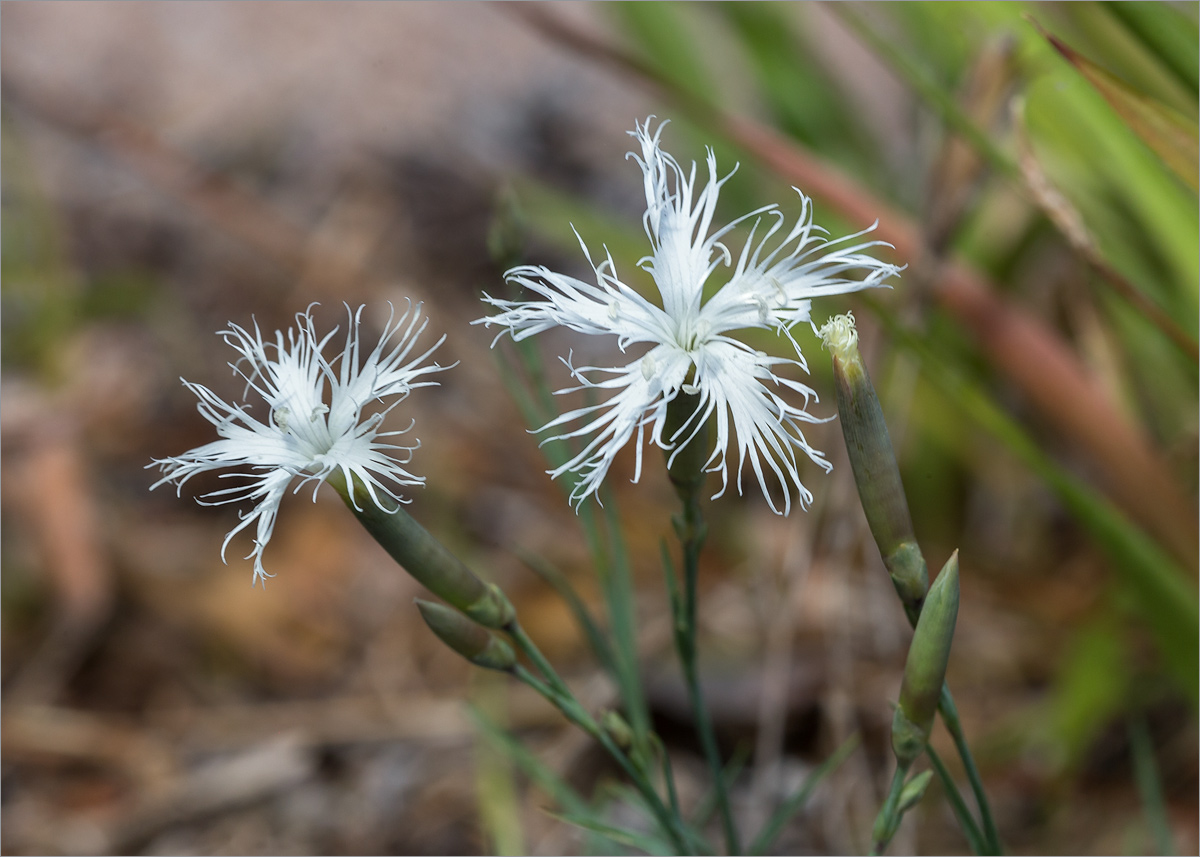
{"x":168,"y":168}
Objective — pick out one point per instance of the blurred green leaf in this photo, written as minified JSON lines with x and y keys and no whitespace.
{"x":1167,"y":31}
{"x":1172,"y":136}
{"x":1091,"y":688}
{"x":1144,"y":221}
{"x":803,"y":100}
{"x":667,"y":41}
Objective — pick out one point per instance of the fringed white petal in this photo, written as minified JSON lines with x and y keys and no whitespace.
{"x":314,"y":423}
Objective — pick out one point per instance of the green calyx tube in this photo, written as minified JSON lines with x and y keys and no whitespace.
{"x":425,"y":558}
{"x":686,"y":458}
{"x":925,"y":667}
{"x":873,"y":462}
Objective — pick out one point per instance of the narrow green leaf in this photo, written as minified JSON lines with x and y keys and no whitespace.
{"x":966,"y":821}
{"x":561,"y":585}
{"x":1168,"y":133}
{"x":1167,"y":32}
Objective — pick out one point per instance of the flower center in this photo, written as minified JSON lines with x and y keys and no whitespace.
{"x":692,"y":334}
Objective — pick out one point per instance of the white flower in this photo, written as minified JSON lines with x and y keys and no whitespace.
{"x":688,"y":346}
{"x":313,"y":424}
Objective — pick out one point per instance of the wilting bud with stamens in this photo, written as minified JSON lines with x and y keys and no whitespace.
{"x":874,"y":464}
{"x":427,"y":559}
{"x":478,"y":645}
{"x":925,"y":668}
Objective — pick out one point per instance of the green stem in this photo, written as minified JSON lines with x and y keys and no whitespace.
{"x":949,"y":714}
{"x":556,"y":692}
{"x":886,"y":822}
{"x":965,"y":820}
{"x":691,"y":533}
{"x":531,"y":651}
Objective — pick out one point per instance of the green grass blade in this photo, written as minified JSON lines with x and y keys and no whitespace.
{"x":1171,"y":136}
{"x":1166,"y":32}
{"x":559,"y":583}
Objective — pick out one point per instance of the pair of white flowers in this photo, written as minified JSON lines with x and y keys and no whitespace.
{"x":314,"y":424}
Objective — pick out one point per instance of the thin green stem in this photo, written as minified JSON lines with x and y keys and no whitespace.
{"x":965,"y":820}
{"x":668,"y":776}
{"x":570,"y":707}
{"x":691,"y":533}
{"x":531,"y":651}
{"x":886,"y":823}
{"x":949,"y":714}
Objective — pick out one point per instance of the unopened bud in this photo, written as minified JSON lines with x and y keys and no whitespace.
{"x":925,"y":667}
{"x":478,"y":645}
{"x":617,"y":728}
{"x":873,"y":462}
{"x":913,"y":791}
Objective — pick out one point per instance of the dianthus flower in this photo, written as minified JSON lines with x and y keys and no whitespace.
{"x":686,"y":342}
{"x":314,"y":423}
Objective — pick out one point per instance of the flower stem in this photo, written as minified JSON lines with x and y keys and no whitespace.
{"x":692,"y":530}
{"x":558,"y":694}
{"x":887,"y":822}
{"x":949,"y":712}
{"x":965,"y":820}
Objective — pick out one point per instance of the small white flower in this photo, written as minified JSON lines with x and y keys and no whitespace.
{"x":690,"y":348}
{"x":313,"y":423}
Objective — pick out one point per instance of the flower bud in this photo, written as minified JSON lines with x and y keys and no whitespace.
{"x":913,"y":791}
{"x":925,"y":668}
{"x":427,"y":559}
{"x":873,"y":462}
{"x":478,"y":645}
{"x":617,"y":728}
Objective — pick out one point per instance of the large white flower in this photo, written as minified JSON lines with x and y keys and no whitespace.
{"x":313,"y":425}
{"x":687,"y":343}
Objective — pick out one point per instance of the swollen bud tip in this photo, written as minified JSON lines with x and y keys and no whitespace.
{"x":840,"y":336}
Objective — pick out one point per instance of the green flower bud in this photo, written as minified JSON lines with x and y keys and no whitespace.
{"x":913,"y":791}
{"x":478,"y":645}
{"x":617,"y":728}
{"x":427,"y":559}
{"x":925,"y":668}
{"x":873,"y":462}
